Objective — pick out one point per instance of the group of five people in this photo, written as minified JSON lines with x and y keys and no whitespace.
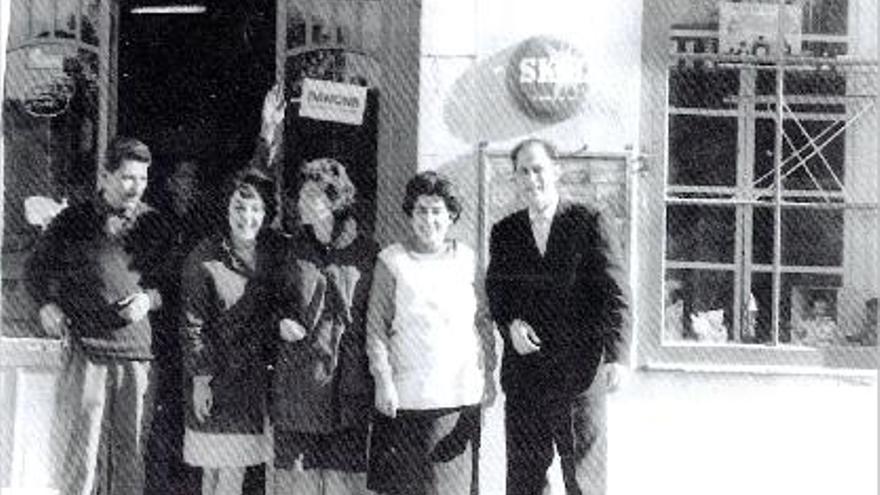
{"x":353,"y":369}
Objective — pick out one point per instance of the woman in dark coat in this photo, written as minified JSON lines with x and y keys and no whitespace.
{"x":228,"y":337}
{"x":322,"y":390}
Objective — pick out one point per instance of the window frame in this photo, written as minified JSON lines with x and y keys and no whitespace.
{"x":653,"y":351}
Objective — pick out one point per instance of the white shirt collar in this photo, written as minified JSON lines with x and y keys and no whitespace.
{"x":547,"y":213}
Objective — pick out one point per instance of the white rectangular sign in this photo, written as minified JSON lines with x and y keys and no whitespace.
{"x":752,"y":28}
{"x":332,"y":101}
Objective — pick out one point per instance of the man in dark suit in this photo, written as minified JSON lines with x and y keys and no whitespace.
{"x":557,"y":291}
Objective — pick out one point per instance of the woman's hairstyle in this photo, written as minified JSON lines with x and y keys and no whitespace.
{"x":431,"y":184}
{"x":331,"y":176}
{"x":251,"y":183}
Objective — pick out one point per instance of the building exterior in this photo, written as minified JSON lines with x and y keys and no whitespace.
{"x":735,"y":142}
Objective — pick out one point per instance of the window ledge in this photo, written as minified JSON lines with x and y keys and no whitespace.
{"x":866,"y":375}
{"x":30,"y":352}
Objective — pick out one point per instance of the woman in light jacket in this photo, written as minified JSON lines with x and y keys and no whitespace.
{"x":431,"y":352}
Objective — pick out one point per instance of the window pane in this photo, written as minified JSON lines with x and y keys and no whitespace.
{"x":703,"y":87}
{"x":19,"y":25}
{"x":762,"y":235}
{"x":857,"y":304}
{"x":820,"y":85}
{"x":91,"y":11}
{"x":812,"y":237}
{"x":296,"y":28}
{"x":702,"y":151}
{"x":830,"y":310}
{"x":758,"y":313}
{"x":813,"y":155}
{"x":700,"y":233}
{"x":43,"y":17}
{"x":50,"y":117}
{"x":808,"y":309}
{"x":825,"y":16}
{"x":65,"y":19}
{"x":698,"y":305}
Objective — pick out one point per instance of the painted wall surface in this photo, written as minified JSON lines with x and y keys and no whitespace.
{"x":463,"y":99}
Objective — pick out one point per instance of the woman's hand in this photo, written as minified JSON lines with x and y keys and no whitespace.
{"x":203,"y":397}
{"x":290,"y":330}
{"x":387,"y":401}
{"x":524,"y":338}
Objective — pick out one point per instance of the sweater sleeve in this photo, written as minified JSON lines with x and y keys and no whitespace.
{"x":45,"y":268}
{"x":196,"y":293}
{"x":497,"y":282}
{"x":156,"y":240}
{"x":380,"y":315}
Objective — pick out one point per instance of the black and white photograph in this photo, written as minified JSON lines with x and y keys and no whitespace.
{"x":439,"y":247}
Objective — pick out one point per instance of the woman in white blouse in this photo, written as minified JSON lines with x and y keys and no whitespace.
{"x":431,"y":352}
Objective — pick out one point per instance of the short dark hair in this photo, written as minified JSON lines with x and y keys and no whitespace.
{"x":252,"y":182}
{"x":126,"y":148}
{"x":431,"y":184}
{"x":548,"y":147}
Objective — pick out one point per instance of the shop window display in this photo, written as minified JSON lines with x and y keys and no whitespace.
{"x":54,"y":123}
{"x":772,"y":211}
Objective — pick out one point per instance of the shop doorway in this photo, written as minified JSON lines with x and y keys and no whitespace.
{"x":191,"y":86}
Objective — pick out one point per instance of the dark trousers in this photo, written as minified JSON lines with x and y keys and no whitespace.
{"x":536,"y":423}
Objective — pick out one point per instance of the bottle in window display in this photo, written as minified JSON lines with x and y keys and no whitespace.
{"x":761,"y":48}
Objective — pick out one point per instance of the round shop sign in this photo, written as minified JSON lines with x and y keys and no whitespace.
{"x":51,"y":97}
{"x":548,"y":78}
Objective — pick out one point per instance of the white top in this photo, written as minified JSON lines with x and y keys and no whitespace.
{"x":433,"y":346}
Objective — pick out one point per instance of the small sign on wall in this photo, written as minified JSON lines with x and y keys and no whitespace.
{"x":753,"y":28}
{"x":548,"y":78}
{"x":332,"y":101}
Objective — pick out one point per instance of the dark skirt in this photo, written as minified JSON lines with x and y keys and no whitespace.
{"x":343,"y":450}
{"x":427,"y":451}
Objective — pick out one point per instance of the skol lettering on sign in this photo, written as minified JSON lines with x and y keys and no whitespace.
{"x":548,"y":78}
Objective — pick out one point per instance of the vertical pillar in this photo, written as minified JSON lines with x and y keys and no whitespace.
{"x":398,"y":113}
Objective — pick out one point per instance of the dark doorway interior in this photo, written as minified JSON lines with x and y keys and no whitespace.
{"x":191,"y":86}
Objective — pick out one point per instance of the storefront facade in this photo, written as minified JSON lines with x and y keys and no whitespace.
{"x":750,"y":250}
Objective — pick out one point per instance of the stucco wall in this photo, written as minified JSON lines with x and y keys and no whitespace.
{"x":464,"y":52}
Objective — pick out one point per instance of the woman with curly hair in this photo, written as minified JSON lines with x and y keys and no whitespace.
{"x":431,"y":349}
{"x":322,"y":388}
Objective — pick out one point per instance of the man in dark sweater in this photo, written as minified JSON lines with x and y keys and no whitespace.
{"x":95,"y":276}
{"x":557,"y":290}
